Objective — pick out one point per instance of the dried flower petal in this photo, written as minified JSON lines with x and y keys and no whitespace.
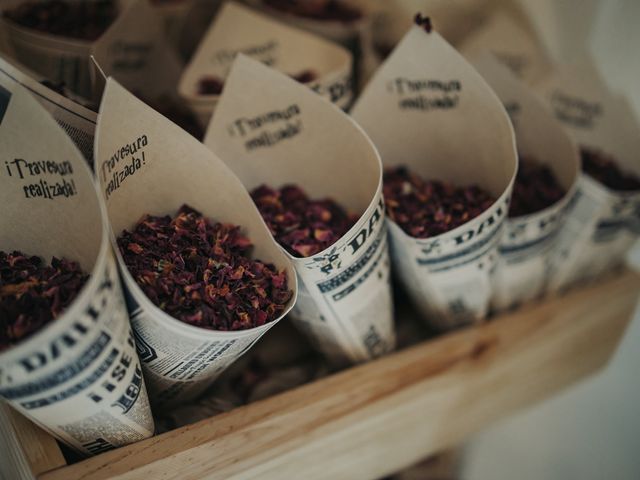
{"x":327,"y":10}
{"x":200,"y":272}
{"x":535,"y":188}
{"x":32,"y":294}
{"x":426,"y":208}
{"x":305,"y":76}
{"x":302,"y":226}
{"x":424,"y":22}
{"x":603,"y":168}
{"x":210,"y":85}
{"x":81,"y":20}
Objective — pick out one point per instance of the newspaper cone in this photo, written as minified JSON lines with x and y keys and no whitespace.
{"x":148,"y":165}
{"x":356,"y":34}
{"x":128,"y":46}
{"x":272,"y":130}
{"x":238,"y":29}
{"x":602,"y":224}
{"x":513,"y":45}
{"x":77,"y":121}
{"x":527,"y":241}
{"x":426,"y":108}
{"x":78,"y":377}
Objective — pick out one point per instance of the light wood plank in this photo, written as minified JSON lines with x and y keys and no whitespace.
{"x":34,"y":450}
{"x":378,"y":418}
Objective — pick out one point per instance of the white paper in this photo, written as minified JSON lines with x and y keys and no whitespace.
{"x":78,"y":377}
{"x":427,"y":108}
{"x":238,"y":29}
{"x":602,"y":224}
{"x":512,"y":44}
{"x":271,"y":130}
{"x":528,"y":240}
{"x":147,"y":165}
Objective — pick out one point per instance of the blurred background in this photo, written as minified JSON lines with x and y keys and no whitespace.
{"x":591,"y":430}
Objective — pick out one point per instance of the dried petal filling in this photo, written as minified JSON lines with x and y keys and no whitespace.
{"x":535,"y":188}
{"x":603,"y":168}
{"x":33,"y":294}
{"x":200,"y":272}
{"x":301,"y":225}
{"x":426,"y":208}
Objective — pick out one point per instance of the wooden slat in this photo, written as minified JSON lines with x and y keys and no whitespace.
{"x":378,"y":418}
{"x":32,"y":445}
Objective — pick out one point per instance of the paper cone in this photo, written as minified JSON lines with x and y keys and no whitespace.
{"x":148,"y":165}
{"x":76,"y":120}
{"x":602,"y":223}
{"x":78,"y":377}
{"x":528,"y":240}
{"x":512,"y":44}
{"x":272,"y":130}
{"x":426,"y":108}
{"x":238,"y":29}
{"x":126,"y":48}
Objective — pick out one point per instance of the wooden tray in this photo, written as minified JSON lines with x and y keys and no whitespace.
{"x":375,"y":419}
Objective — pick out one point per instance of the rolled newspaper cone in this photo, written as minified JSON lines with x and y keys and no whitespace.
{"x":427,"y":109}
{"x":347,"y":22}
{"x":148,"y":165}
{"x":512,"y":43}
{"x":76,"y":120}
{"x":126,"y":47}
{"x":238,"y":29}
{"x":78,"y":377}
{"x":529,"y":239}
{"x":602,"y":223}
{"x":272,"y":130}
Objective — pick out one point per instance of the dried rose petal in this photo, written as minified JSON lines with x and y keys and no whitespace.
{"x":200,"y":272}
{"x":535,"y":188}
{"x":424,"y":22}
{"x":302,"y":226}
{"x":210,"y":85}
{"x":426,"y":208}
{"x":603,"y":168}
{"x":317,"y":9}
{"x":304,"y":76}
{"x":81,"y":20}
{"x":32,"y":294}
